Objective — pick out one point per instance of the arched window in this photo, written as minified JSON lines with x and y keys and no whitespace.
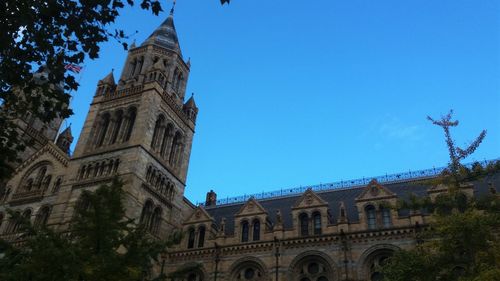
{"x":103,"y":129}
{"x":140,"y":64}
{"x":57,"y":185}
{"x":131,"y":120}
{"x":117,"y":126}
{"x":82,"y":205}
{"x":157,"y":132}
{"x":133,"y":65}
{"x":256,"y":230}
{"x":371,"y":217}
{"x":317,"y":223}
{"x":147,"y":212}
{"x":29,"y":185}
{"x":82,"y":172}
{"x":42,"y":217}
{"x":386,"y":217}
{"x":46,"y":182}
{"x":191,"y":238}
{"x":165,"y":139}
{"x":304,"y":224}
{"x":174,"y":151}
{"x":244,"y":231}
{"x":154,"y":225}
{"x":201,"y":236}
{"x":25,"y":216}
{"x":40,"y":176}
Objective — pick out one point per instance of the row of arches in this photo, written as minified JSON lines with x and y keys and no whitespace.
{"x":151,"y":217}
{"x":157,"y":72}
{"x":15,"y":225}
{"x":97,"y":169}
{"x":307,"y":266}
{"x":160,"y":182}
{"x":114,"y":127}
{"x":38,"y":178}
{"x":166,"y":142}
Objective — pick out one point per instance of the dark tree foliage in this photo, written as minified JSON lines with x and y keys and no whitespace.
{"x":37,"y":40}
{"x":99,"y":245}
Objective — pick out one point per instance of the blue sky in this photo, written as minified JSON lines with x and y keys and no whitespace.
{"x":293,"y":93}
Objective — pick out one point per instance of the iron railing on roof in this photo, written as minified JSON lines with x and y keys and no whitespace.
{"x":388,"y":178}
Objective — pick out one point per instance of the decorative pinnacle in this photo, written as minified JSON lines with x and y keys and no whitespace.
{"x":172,"y":10}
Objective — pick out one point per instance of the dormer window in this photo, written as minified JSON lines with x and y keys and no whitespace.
{"x":304,"y":224}
{"x":201,"y":236}
{"x":317,"y":223}
{"x":256,"y":230}
{"x":244,"y":231}
{"x":386,"y":217}
{"x":371,"y":217}
{"x":191,"y":239}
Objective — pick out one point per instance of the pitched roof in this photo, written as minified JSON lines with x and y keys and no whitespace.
{"x":190,"y":103}
{"x":165,"y":36}
{"x":109,"y":79}
{"x":66,"y":133}
{"x":334,"y":199}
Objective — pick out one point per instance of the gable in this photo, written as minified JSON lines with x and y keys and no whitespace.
{"x":199,"y":215}
{"x":251,"y":207}
{"x":309,"y":199}
{"x":374,"y":190}
{"x":50,"y":152}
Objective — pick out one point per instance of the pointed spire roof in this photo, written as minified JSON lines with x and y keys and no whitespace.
{"x":109,"y":79}
{"x":190,"y":103}
{"x":165,"y":35}
{"x":67,"y":133}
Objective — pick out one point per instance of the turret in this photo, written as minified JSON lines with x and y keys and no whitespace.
{"x":65,"y":139}
{"x":106,"y":84}
{"x":191,"y":109}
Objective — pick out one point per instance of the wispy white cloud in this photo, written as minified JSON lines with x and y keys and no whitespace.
{"x":393,"y":128}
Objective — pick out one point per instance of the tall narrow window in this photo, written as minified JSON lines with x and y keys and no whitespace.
{"x":317,"y":223}
{"x":201,"y":236}
{"x":147,"y":212}
{"x":57,"y":185}
{"x":131,"y":120}
{"x":386,"y":217}
{"x":256,"y":230}
{"x":154,"y":226}
{"x":175,"y":147}
{"x":42,"y":216}
{"x":304,"y":224}
{"x":103,"y":130}
{"x":244,"y":231}
{"x":371,"y":217}
{"x":191,"y":239}
{"x":117,"y":127}
{"x":157,"y":132}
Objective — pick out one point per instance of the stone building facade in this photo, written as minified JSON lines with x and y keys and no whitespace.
{"x":140,"y":129}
